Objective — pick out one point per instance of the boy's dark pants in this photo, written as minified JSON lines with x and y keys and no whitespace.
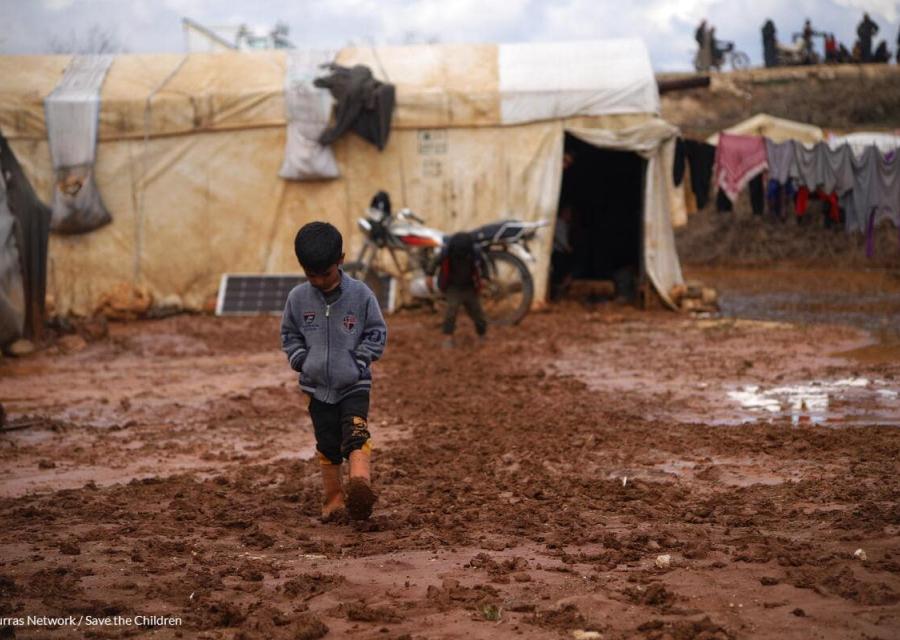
{"x":468,"y":298}
{"x":340,"y":428}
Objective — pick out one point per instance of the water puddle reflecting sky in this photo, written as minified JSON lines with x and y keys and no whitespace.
{"x":845,"y":401}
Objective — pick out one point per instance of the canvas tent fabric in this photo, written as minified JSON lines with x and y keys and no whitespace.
{"x":72,"y":111}
{"x":558,"y":80}
{"x":185,"y":162}
{"x":307,"y":110}
{"x":775,"y":129}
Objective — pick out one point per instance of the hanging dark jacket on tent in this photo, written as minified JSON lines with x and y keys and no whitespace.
{"x":364,"y":104}
{"x":32,"y":233}
{"x":701,"y":158}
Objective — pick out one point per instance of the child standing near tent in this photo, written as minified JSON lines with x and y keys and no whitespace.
{"x":332,"y":331}
{"x":460,"y":279}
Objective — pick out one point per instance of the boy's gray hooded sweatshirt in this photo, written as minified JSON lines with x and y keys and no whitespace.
{"x":332,"y":345}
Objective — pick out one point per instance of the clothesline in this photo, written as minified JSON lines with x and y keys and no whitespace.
{"x":866,"y":187}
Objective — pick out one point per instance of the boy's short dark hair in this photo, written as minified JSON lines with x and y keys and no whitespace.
{"x":318,"y":245}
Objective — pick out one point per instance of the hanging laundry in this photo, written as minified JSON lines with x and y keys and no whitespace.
{"x":739,"y":159}
{"x":723,"y":204}
{"x":72,"y":111}
{"x":757,"y":195}
{"x":830,"y":202}
{"x":690,"y":200}
{"x":822,"y":166}
{"x":876,"y":192}
{"x":363,"y":104}
{"x":701,"y":159}
{"x":678,"y":164}
{"x":781,"y":160}
{"x":308,"y":110}
{"x":870,"y":233}
{"x":801,"y":201}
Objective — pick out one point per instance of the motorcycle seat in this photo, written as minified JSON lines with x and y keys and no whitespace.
{"x":498,"y":231}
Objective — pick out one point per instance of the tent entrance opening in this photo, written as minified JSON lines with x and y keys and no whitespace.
{"x":600,"y":210}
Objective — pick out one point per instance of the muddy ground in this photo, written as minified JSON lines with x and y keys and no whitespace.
{"x":527,"y":488}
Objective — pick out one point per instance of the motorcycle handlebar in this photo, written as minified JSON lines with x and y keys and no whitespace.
{"x":409,"y":213}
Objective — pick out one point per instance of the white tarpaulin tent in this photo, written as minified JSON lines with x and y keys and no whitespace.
{"x":860,"y":140}
{"x":190,"y":146}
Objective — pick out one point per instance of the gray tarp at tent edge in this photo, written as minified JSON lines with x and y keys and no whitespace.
{"x":32,"y":234}
{"x":12,"y":290}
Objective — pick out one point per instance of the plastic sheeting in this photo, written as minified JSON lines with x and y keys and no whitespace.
{"x":72,"y":112}
{"x":308,"y":109}
{"x":886,"y":142}
{"x":12,"y":291}
{"x":32,"y":233}
{"x":560,"y":80}
{"x":654,"y":141}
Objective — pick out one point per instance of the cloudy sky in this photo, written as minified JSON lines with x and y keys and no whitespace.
{"x":666,"y":26}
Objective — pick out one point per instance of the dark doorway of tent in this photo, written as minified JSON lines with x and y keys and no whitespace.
{"x":597,"y":245}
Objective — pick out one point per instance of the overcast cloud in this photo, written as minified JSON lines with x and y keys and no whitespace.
{"x":666,"y":26}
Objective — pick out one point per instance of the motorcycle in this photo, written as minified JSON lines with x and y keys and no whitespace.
{"x":508,"y":287}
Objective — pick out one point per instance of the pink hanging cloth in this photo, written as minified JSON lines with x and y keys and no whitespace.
{"x":739,"y":159}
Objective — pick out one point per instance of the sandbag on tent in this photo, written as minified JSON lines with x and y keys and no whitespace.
{"x":308,"y":109}
{"x":12,"y":292}
{"x":72,"y":111}
{"x":33,"y":231}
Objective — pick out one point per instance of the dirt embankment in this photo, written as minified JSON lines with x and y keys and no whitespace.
{"x":842,"y":98}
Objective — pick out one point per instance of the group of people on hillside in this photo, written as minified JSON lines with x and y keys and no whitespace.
{"x":711,"y":51}
{"x":833,"y":52}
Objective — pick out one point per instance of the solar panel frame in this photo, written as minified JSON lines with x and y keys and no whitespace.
{"x":265,"y":304}
{"x":276,"y":300}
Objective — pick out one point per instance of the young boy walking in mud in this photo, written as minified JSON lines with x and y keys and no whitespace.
{"x":332,"y":331}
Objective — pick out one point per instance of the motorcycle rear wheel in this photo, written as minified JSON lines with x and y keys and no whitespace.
{"x":740,"y":60}
{"x":507,"y":289}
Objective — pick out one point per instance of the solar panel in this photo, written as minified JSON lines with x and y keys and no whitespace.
{"x":254,"y":295}
{"x":262,"y":294}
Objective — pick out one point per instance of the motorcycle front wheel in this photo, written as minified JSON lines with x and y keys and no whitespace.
{"x":507,"y":289}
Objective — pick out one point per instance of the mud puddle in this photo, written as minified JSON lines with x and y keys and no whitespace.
{"x":837,"y":402}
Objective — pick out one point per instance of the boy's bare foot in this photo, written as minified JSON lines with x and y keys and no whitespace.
{"x":360,"y":499}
